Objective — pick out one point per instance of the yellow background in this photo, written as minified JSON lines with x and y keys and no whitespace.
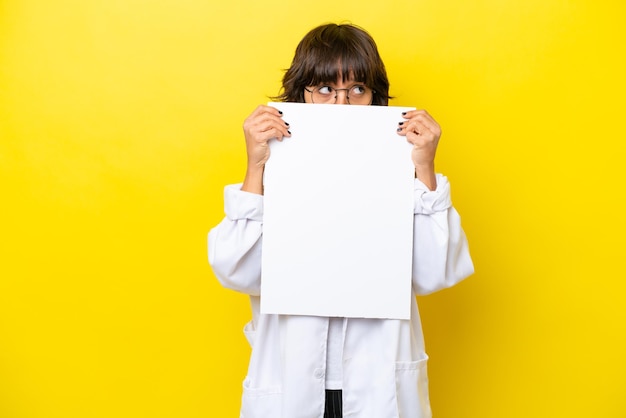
{"x":120,"y":122}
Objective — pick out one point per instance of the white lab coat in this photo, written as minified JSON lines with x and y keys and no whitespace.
{"x":384,"y":361}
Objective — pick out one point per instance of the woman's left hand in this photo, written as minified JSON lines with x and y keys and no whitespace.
{"x":421,"y":130}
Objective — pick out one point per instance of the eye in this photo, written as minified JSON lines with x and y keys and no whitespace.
{"x":357,"y":90}
{"x":325,"y":90}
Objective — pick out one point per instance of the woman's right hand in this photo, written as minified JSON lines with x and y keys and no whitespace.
{"x":263,"y":124}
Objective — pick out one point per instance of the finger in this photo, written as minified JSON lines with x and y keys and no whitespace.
{"x":266,"y":109}
{"x":273,"y":125}
{"x":272,"y":133}
{"x":261,"y":115}
{"x":264,"y":118}
{"x":429,"y":124}
{"x":424,"y":117}
{"x":417,"y":126}
{"x":268,"y":129}
{"x":413,"y":126}
{"x":413,"y":113}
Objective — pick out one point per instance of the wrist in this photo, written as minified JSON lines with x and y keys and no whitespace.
{"x":253,"y":182}
{"x":426,"y":174}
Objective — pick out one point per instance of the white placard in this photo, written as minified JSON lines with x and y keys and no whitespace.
{"x":338,"y":214}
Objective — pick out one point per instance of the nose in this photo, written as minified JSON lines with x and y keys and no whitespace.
{"x":341,"y":97}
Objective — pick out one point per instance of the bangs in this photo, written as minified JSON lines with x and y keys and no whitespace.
{"x":340,"y":65}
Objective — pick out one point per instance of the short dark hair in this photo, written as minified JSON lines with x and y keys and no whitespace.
{"x":331,"y":51}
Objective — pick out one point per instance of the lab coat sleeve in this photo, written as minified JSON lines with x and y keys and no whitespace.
{"x":235,"y":243}
{"x":441,"y":255}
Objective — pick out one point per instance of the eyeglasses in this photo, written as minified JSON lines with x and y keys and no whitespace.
{"x":355,"y":95}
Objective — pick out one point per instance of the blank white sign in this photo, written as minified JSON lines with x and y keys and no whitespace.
{"x":338,"y":214}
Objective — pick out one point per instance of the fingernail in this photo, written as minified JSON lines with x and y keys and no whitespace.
{"x":403,"y":113}
{"x":401,"y":123}
{"x":281,"y":112}
{"x":289,"y":132}
{"x":399,"y":129}
{"x":286,"y":124}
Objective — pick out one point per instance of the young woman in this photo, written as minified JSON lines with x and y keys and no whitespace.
{"x":314,"y":367}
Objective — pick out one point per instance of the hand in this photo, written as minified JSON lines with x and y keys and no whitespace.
{"x":423,"y":132}
{"x":263,"y":124}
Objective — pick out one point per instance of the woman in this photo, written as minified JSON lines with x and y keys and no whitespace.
{"x":315,"y":367}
